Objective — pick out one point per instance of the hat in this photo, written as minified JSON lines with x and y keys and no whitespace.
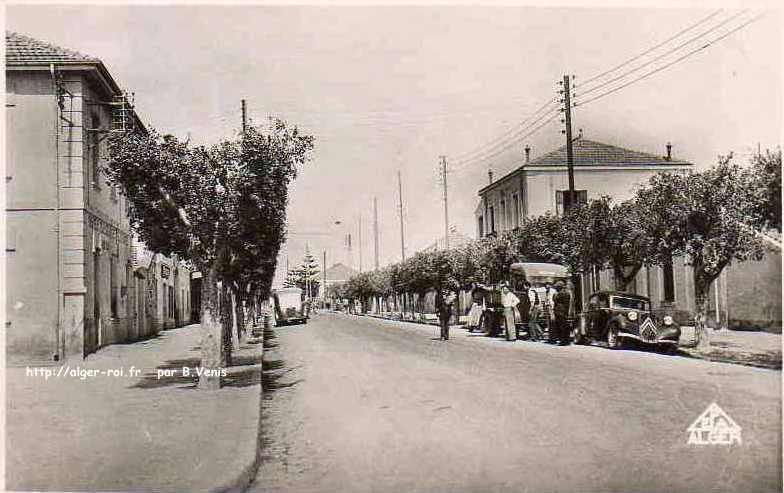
{"x":560,"y":285}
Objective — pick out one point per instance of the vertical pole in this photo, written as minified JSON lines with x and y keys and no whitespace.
{"x":446,"y":205}
{"x":400,"y":211}
{"x":360,"y":242}
{"x":324,"y":277}
{"x":569,"y":151}
{"x":375,"y":232}
{"x":244,"y":118}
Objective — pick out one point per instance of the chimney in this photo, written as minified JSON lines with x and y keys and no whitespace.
{"x":490,"y":175}
{"x":527,"y":154}
{"x":669,"y":152}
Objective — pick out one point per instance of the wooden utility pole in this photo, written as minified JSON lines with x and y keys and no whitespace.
{"x":324,"y":277}
{"x":244,"y":117}
{"x":446,"y":205}
{"x":569,"y":201}
{"x":375,"y":232}
{"x":360,"y":242}
{"x":400,"y":211}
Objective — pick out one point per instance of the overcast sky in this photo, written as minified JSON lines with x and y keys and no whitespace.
{"x":388,"y":88}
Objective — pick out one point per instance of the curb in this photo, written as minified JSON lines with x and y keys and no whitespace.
{"x":244,"y":479}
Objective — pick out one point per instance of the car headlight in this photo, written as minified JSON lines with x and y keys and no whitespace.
{"x":667,"y":320}
{"x":632,"y":316}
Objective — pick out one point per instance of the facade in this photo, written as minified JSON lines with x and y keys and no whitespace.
{"x":72,"y":286}
{"x":745,"y":295}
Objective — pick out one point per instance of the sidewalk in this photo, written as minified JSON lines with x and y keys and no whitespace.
{"x":137,"y":432}
{"x":761,"y":349}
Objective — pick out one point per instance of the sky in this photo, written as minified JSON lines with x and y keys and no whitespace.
{"x":391,"y":88}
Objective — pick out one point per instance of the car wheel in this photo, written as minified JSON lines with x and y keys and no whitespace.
{"x":613,"y":341}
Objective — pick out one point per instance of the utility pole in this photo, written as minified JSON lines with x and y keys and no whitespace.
{"x":244,"y":118}
{"x":324,"y":277}
{"x":569,"y":201}
{"x":360,"y":242}
{"x":446,"y":206}
{"x":400,"y":211}
{"x":375,"y":232}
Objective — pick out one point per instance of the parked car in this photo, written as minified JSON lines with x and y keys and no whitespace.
{"x":289,"y":307}
{"x":616,"y":317}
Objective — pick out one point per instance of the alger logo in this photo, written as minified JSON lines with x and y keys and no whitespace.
{"x":714,"y":427}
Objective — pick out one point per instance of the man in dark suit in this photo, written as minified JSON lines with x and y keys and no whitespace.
{"x":562,"y":303}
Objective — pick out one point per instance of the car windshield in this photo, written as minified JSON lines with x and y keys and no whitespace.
{"x":629,"y":303}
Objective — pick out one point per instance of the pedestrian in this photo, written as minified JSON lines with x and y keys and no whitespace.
{"x":509,"y":302}
{"x":444,"y":302}
{"x":562,"y":304}
{"x":475,"y":314}
{"x":524,"y":307}
{"x":549,"y":298}
{"x":534,"y":329}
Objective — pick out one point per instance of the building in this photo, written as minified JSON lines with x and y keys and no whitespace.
{"x":537,"y":186}
{"x":338,"y":274}
{"x":72,"y":286}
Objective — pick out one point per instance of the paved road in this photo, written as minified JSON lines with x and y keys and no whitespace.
{"x":364,"y":405}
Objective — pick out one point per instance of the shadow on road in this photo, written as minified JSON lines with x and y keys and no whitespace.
{"x":274,"y":369}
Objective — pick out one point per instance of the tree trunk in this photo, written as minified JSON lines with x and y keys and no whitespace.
{"x":701,"y":286}
{"x":227,"y":324}
{"x":210,"y":327}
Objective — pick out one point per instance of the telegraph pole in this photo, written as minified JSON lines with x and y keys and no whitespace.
{"x":360,"y":242}
{"x":400,"y":211}
{"x":375,"y":232}
{"x":567,"y":100}
{"x":244,"y":118}
{"x":446,"y":207}
{"x":324,"y":277}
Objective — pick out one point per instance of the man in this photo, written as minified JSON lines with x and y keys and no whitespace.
{"x":535,"y":303}
{"x":549,"y":298}
{"x":477,"y":307}
{"x":444,"y":303}
{"x":509,"y":302}
{"x":562,"y":303}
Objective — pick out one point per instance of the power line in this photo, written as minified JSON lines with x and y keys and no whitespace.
{"x":677,"y":60}
{"x":495,"y":141}
{"x":659,"y":57}
{"x":519,"y":136}
{"x":676,"y":35}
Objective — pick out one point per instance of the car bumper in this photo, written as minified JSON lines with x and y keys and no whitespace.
{"x":669,"y":337}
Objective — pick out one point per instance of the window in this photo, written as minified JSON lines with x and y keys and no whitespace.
{"x":94,"y":142}
{"x":113,"y":285}
{"x":560,"y":205}
{"x":516,"y":202}
{"x":503,"y":215}
{"x":481,"y":224}
{"x":669,"y":281}
{"x":492,"y":219}
{"x":629,"y":303}
{"x":171,"y":301}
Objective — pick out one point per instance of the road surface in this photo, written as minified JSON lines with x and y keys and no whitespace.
{"x":355,"y":404}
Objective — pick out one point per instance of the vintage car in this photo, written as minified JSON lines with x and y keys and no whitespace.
{"x":616,"y":317}
{"x":289,"y":306}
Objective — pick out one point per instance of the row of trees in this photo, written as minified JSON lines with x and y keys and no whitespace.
{"x":711,"y":218}
{"x":221,"y":207}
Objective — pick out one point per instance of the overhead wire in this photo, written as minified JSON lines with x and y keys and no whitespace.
{"x":637,"y":57}
{"x":659,"y":57}
{"x":670,"y":64}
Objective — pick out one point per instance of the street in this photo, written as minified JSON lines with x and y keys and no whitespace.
{"x":360,"y":404}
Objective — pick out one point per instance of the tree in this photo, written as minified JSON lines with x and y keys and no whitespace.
{"x":305,"y":276}
{"x":209,"y":205}
{"x":707,"y":217}
{"x":765,"y":178}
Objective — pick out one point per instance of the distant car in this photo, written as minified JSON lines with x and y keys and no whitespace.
{"x":289,"y":307}
{"x":615,"y":317}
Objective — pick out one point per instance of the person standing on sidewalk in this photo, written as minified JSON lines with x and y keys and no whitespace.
{"x":477,"y":307}
{"x":509,"y":302}
{"x":562,"y":303}
{"x":444,"y":301}
{"x":534,"y":329}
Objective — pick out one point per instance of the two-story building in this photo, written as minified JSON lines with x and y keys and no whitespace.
{"x":71,"y":283}
{"x":538,"y":185}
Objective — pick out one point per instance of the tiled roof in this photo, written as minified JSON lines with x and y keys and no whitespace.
{"x":24,"y":50}
{"x":592,"y":153}
{"x":455,"y":239}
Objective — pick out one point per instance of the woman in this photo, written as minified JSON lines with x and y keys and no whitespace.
{"x":477,"y":307}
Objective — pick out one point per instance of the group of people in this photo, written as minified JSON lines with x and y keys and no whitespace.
{"x":527,"y":306}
